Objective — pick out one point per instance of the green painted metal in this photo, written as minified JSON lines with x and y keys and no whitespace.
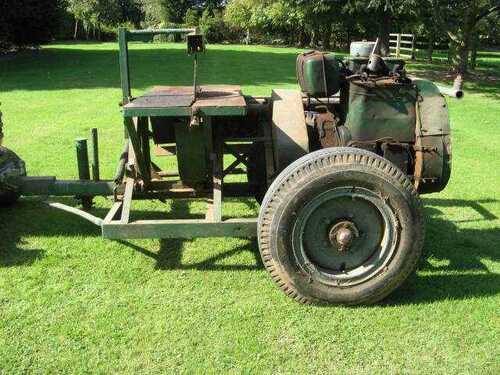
{"x":75,"y":211}
{"x":381,"y":109}
{"x":374,"y":238}
{"x":192,"y":153}
{"x":215,"y":207}
{"x":95,"y":155}
{"x":124,"y":65}
{"x":148,"y":35}
{"x":433,"y":155}
{"x":82,"y":158}
{"x":124,"y":37}
{"x":135,"y":141}
{"x":158,"y":112}
{"x":318,"y":73}
{"x":187,"y":228}
{"x":143,"y":133}
{"x":45,"y":186}
{"x":183,"y":111}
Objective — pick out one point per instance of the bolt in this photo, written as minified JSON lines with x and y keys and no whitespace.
{"x":344,"y":238}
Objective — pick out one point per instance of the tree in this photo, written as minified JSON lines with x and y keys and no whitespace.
{"x":243,"y":15}
{"x":382,"y":13}
{"x":459,"y":19}
{"x":192,"y":18}
{"x":166,"y":11}
{"x":130,"y":12}
{"x":94,"y":14}
{"x":26,"y":22}
{"x":212,"y":25}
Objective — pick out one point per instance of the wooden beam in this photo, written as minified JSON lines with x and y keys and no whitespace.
{"x":187,"y":228}
{"x":113,"y":212}
{"x":127,"y":200}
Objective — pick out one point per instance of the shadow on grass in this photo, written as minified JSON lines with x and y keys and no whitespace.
{"x":90,"y":69}
{"x":452,"y":266}
{"x":87,"y":68}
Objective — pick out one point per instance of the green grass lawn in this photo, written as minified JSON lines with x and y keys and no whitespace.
{"x":73,"y":302}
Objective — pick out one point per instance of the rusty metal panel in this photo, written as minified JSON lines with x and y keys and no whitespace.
{"x":433,"y":110}
{"x":433,"y":144}
{"x":221,"y":97}
{"x":213,"y":100}
{"x":290,"y":137}
{"x":382,"y":109}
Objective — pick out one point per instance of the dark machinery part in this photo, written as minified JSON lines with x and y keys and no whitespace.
{"x":11,"y":169}
{"x":327,"y":129}
{"x":319,"y":74}
{"x":195,"y":45}
{"x":381,"y":110}
{"x":1,"y":129}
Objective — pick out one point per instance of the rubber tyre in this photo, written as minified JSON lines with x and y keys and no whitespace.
{"x":318,"y":172}
{"x":11,"y":164}
{"x":8,"y":198}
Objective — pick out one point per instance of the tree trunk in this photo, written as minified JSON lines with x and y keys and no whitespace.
{"x":458,"y":56}
{"x":75,"y":34}
{"x":383,"y":33}
{"x":460,"y":42}
{"x":314,"y":37}
{"x":326,"y":37}
{"x":473,"y":52}
{"x":348,"y":39}
{"x":304,"y":39}
{"x":430,"y":48}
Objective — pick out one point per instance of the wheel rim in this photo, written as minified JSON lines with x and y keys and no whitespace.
{"x":345,"y":236}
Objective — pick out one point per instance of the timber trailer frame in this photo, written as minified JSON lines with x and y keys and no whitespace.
{"x":337,"y":168}
{"x":139,"y":178}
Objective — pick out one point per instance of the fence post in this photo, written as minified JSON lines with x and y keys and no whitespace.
{"x":398,"y":45}
{"x":413,"y":54}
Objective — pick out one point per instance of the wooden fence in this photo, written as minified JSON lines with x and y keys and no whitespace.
{"x":402,"y":45}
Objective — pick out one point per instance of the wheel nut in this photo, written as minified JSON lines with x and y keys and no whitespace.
{"x":344,"y":238}
{"x":342,"y":235}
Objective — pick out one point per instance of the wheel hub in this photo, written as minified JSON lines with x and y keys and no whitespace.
{"x":342,"y":235}
{"x":345,"y":235}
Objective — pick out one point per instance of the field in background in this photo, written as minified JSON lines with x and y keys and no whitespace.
{"x":72,"y":302}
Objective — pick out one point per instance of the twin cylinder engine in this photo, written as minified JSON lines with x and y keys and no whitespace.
{"x":367,"y":101}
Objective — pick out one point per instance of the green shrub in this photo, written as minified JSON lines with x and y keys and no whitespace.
{"x":212,"y":25}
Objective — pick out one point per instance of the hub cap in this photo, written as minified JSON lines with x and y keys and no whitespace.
{"x":345,"y":236}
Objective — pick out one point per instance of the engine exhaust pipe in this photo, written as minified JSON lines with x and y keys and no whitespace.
{"x":455,"y":91}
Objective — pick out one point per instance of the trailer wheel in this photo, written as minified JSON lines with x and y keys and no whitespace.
{"x":11,"y":166}
{"x":340,"y":225}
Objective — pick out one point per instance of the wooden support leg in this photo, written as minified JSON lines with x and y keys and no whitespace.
{"x":218,"y":175}
{"x":215,"y":152}
{"x":114,"y":212}
{"x":127,"y":200}
{"x":143,"y":132}
{"x":136,"y":145}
